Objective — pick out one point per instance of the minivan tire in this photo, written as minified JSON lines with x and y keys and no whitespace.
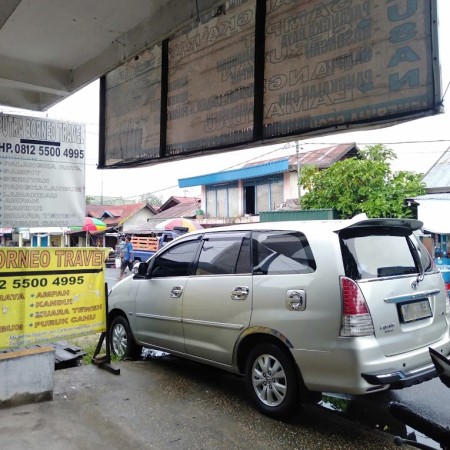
{"x":272,"y":380}
{"x":121,"y":339}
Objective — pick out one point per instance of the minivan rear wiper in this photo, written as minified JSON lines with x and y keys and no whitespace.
{"x":421,"y":274}
{"x":416,"y":254}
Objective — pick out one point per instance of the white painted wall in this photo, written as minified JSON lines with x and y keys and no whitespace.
{"x":139,"y":219}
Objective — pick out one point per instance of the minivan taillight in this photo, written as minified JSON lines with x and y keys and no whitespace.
{"x":356,"y":318}
{"x":447,"y":298}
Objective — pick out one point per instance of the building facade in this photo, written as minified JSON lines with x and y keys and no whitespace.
{"x":239,"y":195}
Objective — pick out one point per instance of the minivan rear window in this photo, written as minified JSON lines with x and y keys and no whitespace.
{"x":281,"y":252}
{"x":375,"y":254}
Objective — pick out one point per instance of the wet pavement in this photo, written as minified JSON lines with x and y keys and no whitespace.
{"x":169,"y":403}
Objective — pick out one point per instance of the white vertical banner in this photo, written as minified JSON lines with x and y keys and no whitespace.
{"x":42,"y":172}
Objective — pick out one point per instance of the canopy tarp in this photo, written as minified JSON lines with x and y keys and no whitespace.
{"x":435,"y":215}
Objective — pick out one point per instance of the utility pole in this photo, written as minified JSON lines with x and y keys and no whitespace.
{"x":298,"y":175}
{"x":101,"y":190}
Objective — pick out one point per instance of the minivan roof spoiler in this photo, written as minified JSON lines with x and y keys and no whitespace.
{"x":361,"y":221}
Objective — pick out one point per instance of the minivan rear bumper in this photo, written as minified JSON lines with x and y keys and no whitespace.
{"x":398,"y":379}
{"x":358,"y":366}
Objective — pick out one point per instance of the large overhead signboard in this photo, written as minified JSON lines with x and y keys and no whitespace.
{"x":42,"y":172}
{"x":258,"y":71}
{"x":132,"y":109}
{"x":211,"y":82}
{"x":345,"y":62}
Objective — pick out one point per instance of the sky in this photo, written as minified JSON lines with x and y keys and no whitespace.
{"x":418,"y":144}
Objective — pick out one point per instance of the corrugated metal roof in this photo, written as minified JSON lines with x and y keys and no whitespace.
{"x":439,"y":174}
{"x":254,"y":171}
{"x":174,"y":200}
{"x":325,"y":157}
{"x":438,"y":197}
{"x":185,"y":209}
{"x":114,"y":215}
{"x":321,"y":158}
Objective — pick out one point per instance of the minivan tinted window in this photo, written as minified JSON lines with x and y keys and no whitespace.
{"x":375,"y":255}
{"x":225,"y":254}
{"x":281,"y":252}
{"x":175,"y":261}
{"x":425,"y":257}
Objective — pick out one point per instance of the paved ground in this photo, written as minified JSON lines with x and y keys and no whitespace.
{"x":168,"y":403}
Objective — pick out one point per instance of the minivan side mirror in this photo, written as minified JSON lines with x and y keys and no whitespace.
{"x":140,"y":270}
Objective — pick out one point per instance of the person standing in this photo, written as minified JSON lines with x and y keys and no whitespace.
{"x":120,"y":245}
{"x":127,"y":258}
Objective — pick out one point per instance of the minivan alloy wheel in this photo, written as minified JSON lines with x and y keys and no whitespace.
{"x":269,"y":380}
{"x":119,"y":340}
{"x":272,"y":380}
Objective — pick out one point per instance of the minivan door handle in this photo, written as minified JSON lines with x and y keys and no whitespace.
{"x":239,"y":293}
{"x":176,"y":291}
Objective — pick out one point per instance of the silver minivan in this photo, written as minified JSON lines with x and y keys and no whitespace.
{"x":296,"y":308}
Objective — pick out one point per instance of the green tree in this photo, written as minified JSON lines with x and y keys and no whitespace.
{"x":363,"y":184}
{"x":151,"y":199}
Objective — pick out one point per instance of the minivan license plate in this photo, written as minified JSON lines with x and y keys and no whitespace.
{"x":409,"y":312}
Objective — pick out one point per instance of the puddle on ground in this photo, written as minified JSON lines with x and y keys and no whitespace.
{"x":374,"y":415}
{"x":152,"y":354}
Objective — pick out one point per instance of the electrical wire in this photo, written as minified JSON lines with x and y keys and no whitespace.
{"x":445,"y":92}
{"x":291,"y":144}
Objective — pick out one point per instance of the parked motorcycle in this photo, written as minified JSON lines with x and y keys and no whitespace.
{"x":429,"y":428}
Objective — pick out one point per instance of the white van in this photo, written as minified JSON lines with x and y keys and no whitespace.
{"x":347,"y":306}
